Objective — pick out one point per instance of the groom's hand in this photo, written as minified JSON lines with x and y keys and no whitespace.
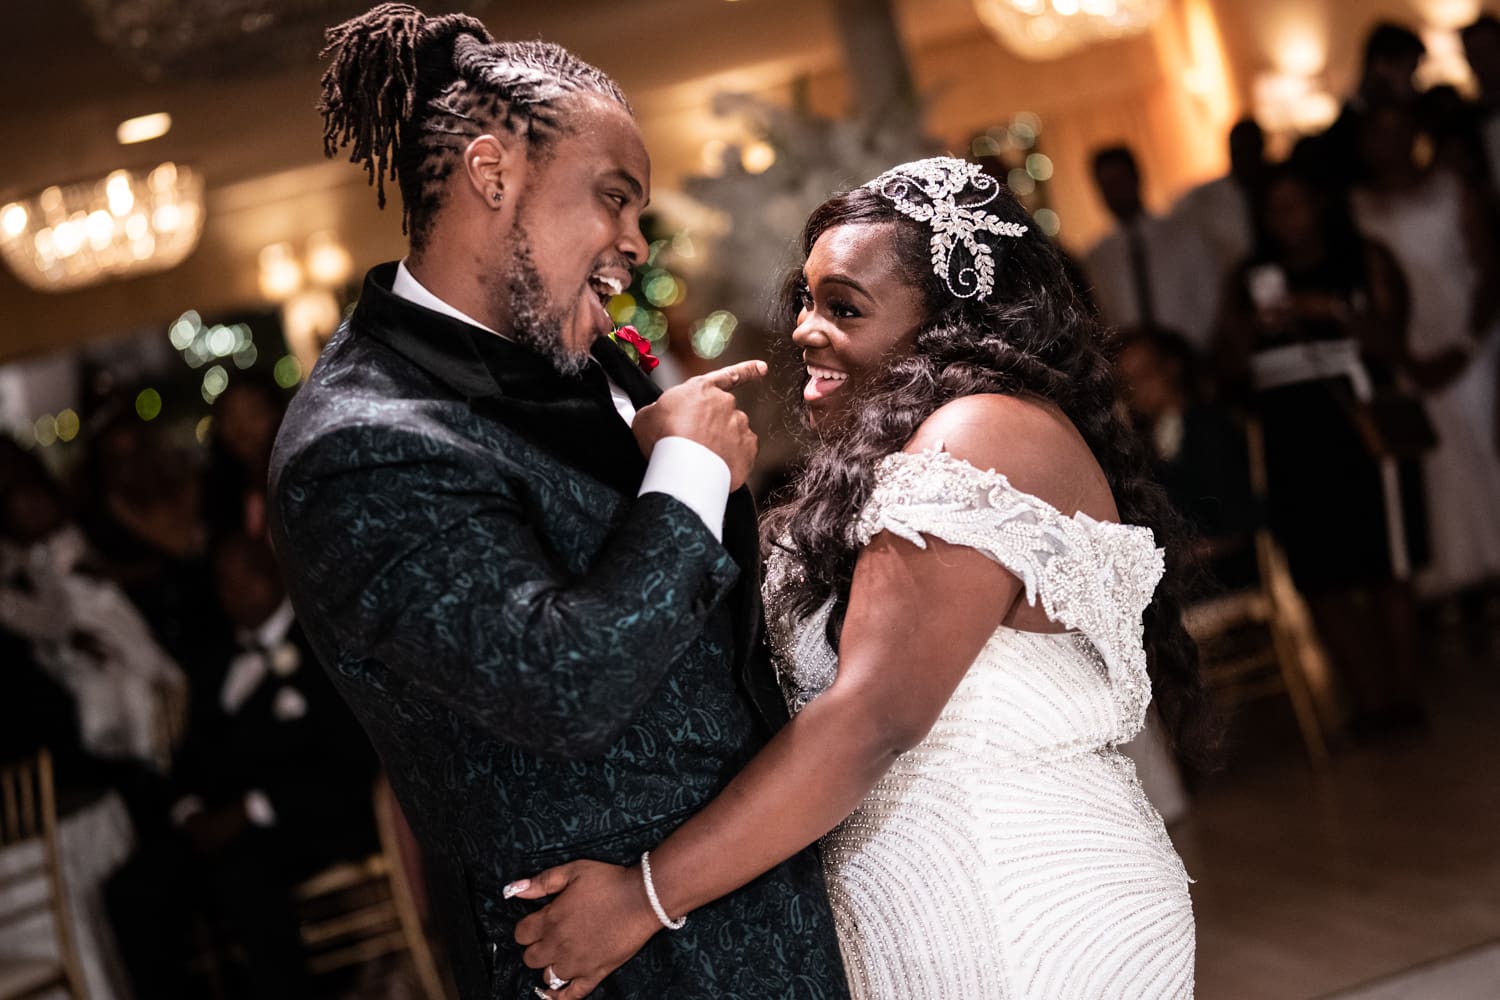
{"x":702,"y":410}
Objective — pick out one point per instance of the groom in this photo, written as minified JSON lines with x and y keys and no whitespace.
{"x":522,"y":564}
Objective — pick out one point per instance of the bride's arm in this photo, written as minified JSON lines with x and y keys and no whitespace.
{"x":917,"y":619}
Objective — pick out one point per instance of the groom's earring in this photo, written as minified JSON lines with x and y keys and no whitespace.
{"x":498,"y":196}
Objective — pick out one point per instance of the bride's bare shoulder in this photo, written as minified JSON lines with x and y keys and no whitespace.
{"x":1030,"y":441}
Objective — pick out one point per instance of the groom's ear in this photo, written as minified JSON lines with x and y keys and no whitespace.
{"x":493,"y":165}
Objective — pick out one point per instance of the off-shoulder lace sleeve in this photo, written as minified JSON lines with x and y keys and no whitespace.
{"x":1093,"y":576}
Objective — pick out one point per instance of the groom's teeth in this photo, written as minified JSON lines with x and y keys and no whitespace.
{"x":826,"y":373}
{"x":611,"y":284}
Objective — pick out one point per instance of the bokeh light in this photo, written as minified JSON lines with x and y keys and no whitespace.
{"x":712,"y":335}
{"x":621,"y":308}
{"x":148,"y":404}
{"x":184,"y":329}
{"x":758,"y":157}
{"x":288,"y":372}
{"x":215,"y":381}
{"x":68,"y":425}
{"x":246,"y":357}
{"x":45,"y":430}
{"x":1049,"y":221}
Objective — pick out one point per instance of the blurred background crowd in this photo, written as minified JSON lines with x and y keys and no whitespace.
{"x":1303,"y":288}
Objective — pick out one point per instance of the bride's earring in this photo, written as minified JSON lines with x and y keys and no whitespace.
{"x":498,"y":197}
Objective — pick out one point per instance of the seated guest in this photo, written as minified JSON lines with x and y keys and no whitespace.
{"x":244,"y":429}
{"x":142,"y":514}
{"x":274,"y":784}
{"x":1201,"y":456}
{"x":82,"y":629}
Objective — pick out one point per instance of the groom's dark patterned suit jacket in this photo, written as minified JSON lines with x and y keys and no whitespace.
{"x":550,"y":667}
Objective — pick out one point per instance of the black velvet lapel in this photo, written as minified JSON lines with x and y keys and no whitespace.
{"x":572,"y":417}
{"x":626,"y":373}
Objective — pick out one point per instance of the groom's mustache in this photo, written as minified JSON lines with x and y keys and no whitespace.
{"x":617,"y":261}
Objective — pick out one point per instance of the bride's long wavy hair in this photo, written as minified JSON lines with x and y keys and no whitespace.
{"x":1033,"y":336}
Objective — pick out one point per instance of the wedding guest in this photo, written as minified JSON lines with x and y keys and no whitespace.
{"x":82,"y":629}
{"x":246,"y":418}
{"x":1435,"y":223}
{"x":1482,"y":49}
{"x":1222,"y":213}
{"x":142,"y":515}
{"x":1200,"y":454}
{"x":1149,"y":271}
{"x":1387,"y":77}
{"x":1312,"y":323}
{"x":273,"y":784}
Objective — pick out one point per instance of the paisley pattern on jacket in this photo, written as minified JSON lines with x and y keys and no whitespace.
{"x":546,"y":663}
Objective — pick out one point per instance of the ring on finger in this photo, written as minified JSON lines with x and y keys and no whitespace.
{"x":554,"y":981}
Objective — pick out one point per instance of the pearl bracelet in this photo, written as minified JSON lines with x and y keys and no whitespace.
{"x":656,"y":907}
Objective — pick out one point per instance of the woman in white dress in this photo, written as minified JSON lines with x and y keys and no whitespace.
{"x":963,"y":598}
{"x":1435,"y":225}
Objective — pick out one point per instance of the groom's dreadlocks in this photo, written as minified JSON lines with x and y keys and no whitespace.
{"x":407,"y":93}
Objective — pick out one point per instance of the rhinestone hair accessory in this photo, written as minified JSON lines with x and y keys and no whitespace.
{"x":950,"y":196}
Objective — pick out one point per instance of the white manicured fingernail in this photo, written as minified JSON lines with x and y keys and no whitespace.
{"x":516,"y":888}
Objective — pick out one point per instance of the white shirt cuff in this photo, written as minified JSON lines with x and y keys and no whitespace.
{"x":690,"y":472}
{"x":258,"y":808}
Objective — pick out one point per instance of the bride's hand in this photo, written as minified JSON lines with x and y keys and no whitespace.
{"x":599,"y":919}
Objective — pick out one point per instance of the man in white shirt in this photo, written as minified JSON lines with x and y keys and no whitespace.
{"x":1482,"y":50}
{"x":1221,"y":213}
{"x":1150,"y":272}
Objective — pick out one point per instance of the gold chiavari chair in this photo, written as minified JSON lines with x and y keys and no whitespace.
{"x":1261,"y":643}
{"x":28,"y":818}
{"x":356,"y":912}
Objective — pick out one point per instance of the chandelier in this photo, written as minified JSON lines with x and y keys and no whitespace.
{"x":125,"y":224}
{"x":1046,"y":29}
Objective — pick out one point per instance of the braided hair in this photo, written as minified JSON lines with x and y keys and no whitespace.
{"x":407,"y":93}
{"x":1033,"y":336}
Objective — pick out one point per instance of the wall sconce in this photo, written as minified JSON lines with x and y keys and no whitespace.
{"x":305,"y":289}
{"x":1288,"y":103}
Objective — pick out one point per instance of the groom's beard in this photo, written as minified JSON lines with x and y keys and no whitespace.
{"x":535,"y":322}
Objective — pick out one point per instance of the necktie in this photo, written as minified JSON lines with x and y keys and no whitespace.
{"x":1140,"y":275}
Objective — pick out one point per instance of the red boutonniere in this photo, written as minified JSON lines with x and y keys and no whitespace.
{"x":636,"y":346}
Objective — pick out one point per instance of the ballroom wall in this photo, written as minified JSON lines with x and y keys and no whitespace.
{"x":1171,"y":94}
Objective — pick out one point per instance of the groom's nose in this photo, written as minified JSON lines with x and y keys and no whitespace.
{"x":632,"y":243}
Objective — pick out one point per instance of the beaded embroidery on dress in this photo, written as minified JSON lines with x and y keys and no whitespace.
{"x":1012,"y":854}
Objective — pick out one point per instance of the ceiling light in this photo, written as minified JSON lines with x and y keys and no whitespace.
{"x":144,"y":128}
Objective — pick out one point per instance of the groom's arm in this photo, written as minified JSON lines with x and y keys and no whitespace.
{"x":419,"y":562}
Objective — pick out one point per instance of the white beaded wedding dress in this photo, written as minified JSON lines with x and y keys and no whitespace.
{"x":1012,"y":854}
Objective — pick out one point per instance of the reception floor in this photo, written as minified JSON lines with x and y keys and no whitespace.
{"x":1313,"y":884}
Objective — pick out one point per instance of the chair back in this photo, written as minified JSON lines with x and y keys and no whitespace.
{"x":28,"y":819}
{"x":355,"y":912}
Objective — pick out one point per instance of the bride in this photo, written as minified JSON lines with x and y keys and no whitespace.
{"x":964,"y":596}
